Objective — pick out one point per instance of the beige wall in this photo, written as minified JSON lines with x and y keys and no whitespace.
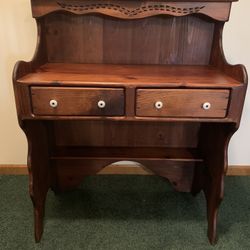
{"x":236,"y":43}
{"x":18,"y":40}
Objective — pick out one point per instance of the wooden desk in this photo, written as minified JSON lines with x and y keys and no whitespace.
{"x":145,"y":81}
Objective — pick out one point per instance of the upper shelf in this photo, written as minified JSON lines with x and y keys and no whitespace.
{"x":134,"y":9}
{"x":56,"y":74}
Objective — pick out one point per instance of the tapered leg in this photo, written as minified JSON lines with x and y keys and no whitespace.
{"x":39,"y":170}
{"x":38,"y":221}
{"x":214,"y":195}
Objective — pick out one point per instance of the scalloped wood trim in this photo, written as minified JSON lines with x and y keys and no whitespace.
{"x":234,"y":170}
{"x":160,"y":8}
{"x":132,"y":9}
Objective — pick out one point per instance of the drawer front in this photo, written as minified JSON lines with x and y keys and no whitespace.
{"x":182,"y":103}
{"x":77,"y":101}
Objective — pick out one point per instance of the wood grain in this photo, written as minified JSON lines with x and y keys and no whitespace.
{"x":58,"y":74}
{"x":77,"y":101}
{"x":115,"y":134}
{"x":218,"y":10}
{"x":127,"y":153}
{"x":132,"y":53}
{"x":181,"y":102}
{"x":111,"y":41}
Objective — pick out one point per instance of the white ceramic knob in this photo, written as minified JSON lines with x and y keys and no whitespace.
{"x":158,"y":105}
{"x":53,"y":103}
{"x":101,"y":104}
{"x":206,"y":105}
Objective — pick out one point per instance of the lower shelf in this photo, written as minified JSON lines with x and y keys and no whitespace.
{"x":127,"y":153}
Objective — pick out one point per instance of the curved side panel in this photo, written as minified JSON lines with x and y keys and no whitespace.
{"x":39,"y":170}
{"x":22,"y":68}
{"x":132,"y":9}
{"x":213,"y":144}
{"x":218,"y":58}
{"x":237,"y":72}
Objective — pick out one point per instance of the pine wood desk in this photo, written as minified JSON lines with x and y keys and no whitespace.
{"x":144,"y":81}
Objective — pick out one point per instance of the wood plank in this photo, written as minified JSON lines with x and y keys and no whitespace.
{"x":218,"y":10}
{"x":13,"y":169}
{"x":127,"y":153}
{"x":59,"y":74}
{"x":133,"y":169}
{"x":240,"y":170}
{"x":114,"y":41}
{"x":85,"y":34}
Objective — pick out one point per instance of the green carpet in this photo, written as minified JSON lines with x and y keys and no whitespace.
{"x":123,"y":212}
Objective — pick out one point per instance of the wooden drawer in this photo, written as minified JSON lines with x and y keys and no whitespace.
{"x":77,"y":101}
{"x":182,"y":103}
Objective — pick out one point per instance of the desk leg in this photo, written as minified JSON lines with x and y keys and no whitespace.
{"x":39,"y":171}
{"x":214,"y":139}
{"x":214,"y":192}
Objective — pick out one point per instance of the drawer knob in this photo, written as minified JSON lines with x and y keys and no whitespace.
{"x":158,"y":105}
{"x":206,"y":105}
{"x":101,"y":104}
{"x":53,"y":103}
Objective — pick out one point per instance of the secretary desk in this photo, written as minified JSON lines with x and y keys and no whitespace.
{"x":143,"y":81}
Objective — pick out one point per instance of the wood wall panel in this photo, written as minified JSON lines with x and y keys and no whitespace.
{"x":117,"y":42}
{"x":146,"y":40}
{"x":66,"y":43}
{"x":104,"y":133}
{"x":154,"y":40}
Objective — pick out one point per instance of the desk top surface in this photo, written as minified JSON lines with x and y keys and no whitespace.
{"x":121,"y":75}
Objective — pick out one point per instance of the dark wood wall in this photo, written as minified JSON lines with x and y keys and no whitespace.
{"x":126,"y":134}
{"x":154,"y":40}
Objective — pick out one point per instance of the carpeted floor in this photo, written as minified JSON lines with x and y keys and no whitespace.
{"x":123,"y":212}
